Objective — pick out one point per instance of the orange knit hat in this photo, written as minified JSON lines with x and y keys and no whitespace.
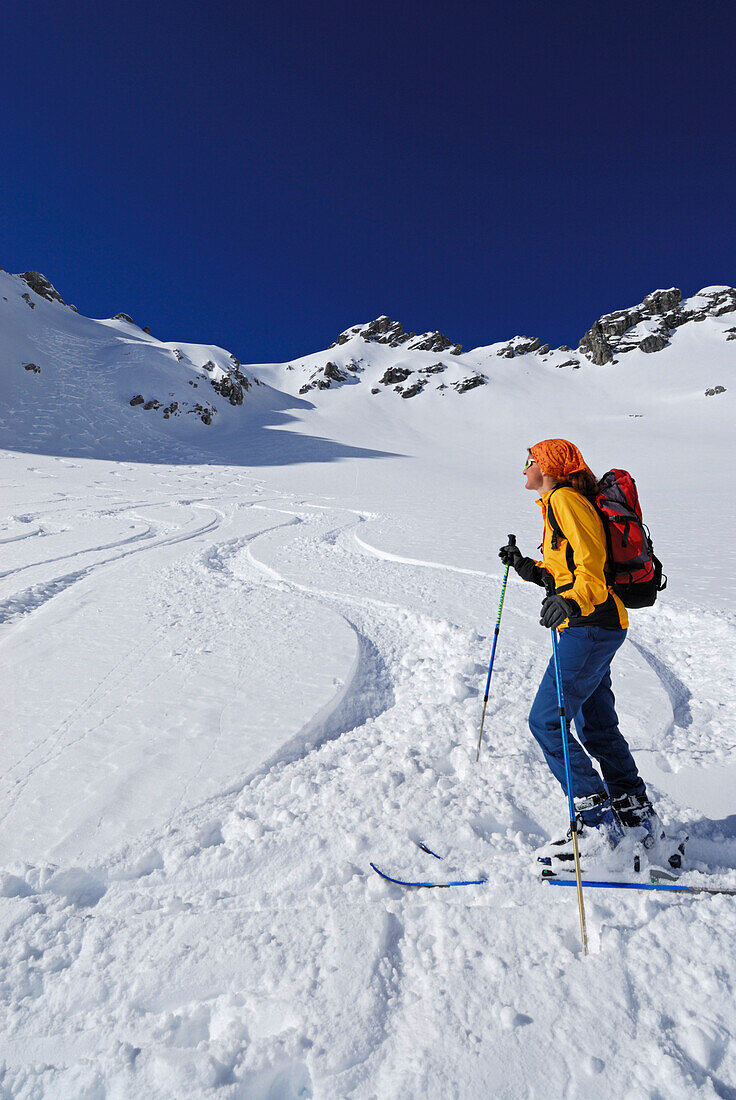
{"x":557,"y":457}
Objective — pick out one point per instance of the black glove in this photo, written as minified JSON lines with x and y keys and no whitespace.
{"x":511,"y":555}
{"x":555,"y":609}
{"x":527,"y":568}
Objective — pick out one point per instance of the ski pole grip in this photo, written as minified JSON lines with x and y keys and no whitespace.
{"x":512,"y":540}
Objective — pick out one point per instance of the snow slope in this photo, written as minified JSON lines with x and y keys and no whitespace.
{"x":242,"y":660}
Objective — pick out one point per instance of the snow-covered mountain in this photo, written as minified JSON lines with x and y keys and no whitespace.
{"x":71,"y":384}
{"x":411,"y":365}
{"x":243,"y":659}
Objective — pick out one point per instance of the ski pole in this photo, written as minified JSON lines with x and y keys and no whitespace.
{"x":512,"y":542}
{"x":568,"y":779}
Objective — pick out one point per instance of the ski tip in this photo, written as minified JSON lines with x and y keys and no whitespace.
{"x":425,"y":848}
{"x":429,"y":885}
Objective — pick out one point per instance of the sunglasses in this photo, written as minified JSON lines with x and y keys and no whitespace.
{"x":529,"y":462}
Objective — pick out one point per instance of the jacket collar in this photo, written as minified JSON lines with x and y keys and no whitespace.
{"x":542,"y":501}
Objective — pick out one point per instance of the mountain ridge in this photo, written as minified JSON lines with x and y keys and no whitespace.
{"x":71,"y":380}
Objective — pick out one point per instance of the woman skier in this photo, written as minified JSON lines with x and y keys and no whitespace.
{"x":592,"y":622}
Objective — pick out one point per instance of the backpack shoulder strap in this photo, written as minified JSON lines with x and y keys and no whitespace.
{"x":557,"y":532}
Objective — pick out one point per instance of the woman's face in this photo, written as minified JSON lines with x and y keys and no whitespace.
{"x":533,"y":474}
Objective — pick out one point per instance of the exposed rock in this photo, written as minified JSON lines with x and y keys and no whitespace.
{"x":731,"y":333}
{"x":654,"y":342}
{"x":595,"y":345}
{"x":40,"y":285}
{"x":394,"y":375}
{"x":521,"y":345}
{"x":606,"y":336}
{"x":208,"y":366}
{"x":435,"y":341}
{"x":34,"y":367}
{"x":333,"y":372}
{"x":171,"y":410}
{"x":27,"y":298}
{"x":375,"y":390}
{"x":625,"y":330}
{"x":661,"y":302}
{"x":146,"y":329}
{"x":721,"y":299}
{"x":137,"y":400}
{"x":414,"y":389}
{"x":348,"y":334}
{"x":231,"y":385}
{"x":715,"y":390}
{"x":178,"y":353}
{"x":574,"y":363}
{"x":385,"y":331}
{"x":323,"y":378}
{"x":206,"y":412}
{"x":152,"y":404}
{"x":226,"y":387}
{"x":470,"y":383}
{"x":436,"y":368}
{"x":123,"y":317}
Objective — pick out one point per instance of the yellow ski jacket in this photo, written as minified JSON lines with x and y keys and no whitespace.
{"x":574,"y":552}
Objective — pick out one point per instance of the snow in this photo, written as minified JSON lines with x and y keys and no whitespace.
{"x":242,"y":661}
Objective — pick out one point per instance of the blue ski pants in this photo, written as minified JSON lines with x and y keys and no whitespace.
{"x":585,"y":654}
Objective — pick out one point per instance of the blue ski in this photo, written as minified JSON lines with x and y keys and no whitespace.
{"x":436,"y":885}
{"x":674,"y":887}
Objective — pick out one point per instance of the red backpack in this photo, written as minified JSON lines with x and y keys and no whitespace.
{"x":633,"y":571}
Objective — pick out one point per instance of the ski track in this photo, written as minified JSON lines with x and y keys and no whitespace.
{"x":678,"y":694}
{"x":147,"y":533}
{"x":34,"y":597}
{"x":341,"y":983}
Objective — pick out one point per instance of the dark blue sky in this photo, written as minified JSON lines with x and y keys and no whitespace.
{"x":263,"y":176}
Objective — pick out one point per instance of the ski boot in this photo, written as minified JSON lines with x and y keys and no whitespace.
{"x":636,"y":813}
{"x":598,"y":833}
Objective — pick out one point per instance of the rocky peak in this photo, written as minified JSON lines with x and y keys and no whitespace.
{"x":661,"y":302}
{"x":650,"y":325}
{"x":605,"y":337}
{"x":385,"y":331}
{"x":381,"y":331}
{"x":522,"y":345}
{"x":718,"y":300}
{"x":40,"y":285}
